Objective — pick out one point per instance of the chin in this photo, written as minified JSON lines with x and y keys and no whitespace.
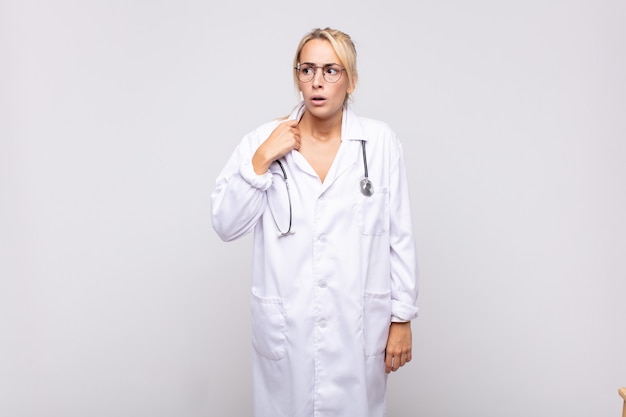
{"x":325,"y":111}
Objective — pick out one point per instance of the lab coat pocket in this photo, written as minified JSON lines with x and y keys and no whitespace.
{"x":268,"y":326}
{"x":373,"y":213}
{"x":376,"y":321}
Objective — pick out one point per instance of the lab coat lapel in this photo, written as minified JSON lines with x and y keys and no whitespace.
{"x":349,"y":151}
{"x":295,"y":156}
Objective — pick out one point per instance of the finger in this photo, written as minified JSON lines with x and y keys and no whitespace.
{"x":399,"y":361}
{"x":404,"y":359}
{"x":297,"y":139}
{"x":388,"y":363}
{"x":292,"y":126}
{"x":396,"y":364}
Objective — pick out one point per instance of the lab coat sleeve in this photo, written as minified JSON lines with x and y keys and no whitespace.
{"x":403,"y":254}
{"x":238,"y":199}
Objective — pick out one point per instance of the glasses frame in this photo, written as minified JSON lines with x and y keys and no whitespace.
{"x":315,"y":68}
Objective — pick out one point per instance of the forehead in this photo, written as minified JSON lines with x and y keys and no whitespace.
{"x":318,"y":51}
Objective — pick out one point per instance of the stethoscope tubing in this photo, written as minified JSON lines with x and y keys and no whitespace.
{"x":289,"y":231}
{"x":366,"y":187}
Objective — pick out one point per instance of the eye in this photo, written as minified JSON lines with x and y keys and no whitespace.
{"x":332,"y":70}
{"x":306,"y":70}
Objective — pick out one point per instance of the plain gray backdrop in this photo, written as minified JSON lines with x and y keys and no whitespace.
{"x":118,"y":299}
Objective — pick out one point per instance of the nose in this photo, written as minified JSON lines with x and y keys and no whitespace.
{"x":318,"y":77}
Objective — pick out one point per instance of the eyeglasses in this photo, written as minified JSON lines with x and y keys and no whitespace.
{"x":331,"y":72}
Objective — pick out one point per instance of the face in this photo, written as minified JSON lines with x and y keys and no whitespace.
{"x":322,"y":99}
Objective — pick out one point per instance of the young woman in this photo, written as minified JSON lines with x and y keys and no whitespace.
{"x":334,"y":283}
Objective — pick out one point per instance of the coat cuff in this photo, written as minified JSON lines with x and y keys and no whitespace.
{"x":262,"y":182}
{"x":402,"y":312}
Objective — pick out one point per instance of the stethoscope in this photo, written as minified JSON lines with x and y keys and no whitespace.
{"x":365,"y":185}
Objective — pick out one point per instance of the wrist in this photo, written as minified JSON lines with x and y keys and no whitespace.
{"x":260,"y":164}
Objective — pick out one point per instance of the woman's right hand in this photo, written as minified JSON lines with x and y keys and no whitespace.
{"x":284,"y":138}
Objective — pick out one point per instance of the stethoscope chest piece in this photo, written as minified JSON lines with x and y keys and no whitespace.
{"x":367,"y":188}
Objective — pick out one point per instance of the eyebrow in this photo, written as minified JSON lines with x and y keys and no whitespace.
{"x":324,"y":65}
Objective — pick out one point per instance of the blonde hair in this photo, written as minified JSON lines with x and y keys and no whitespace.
{"x":342,"y":45}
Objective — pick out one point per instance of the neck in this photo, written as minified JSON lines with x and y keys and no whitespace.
{"x":323,"y":130}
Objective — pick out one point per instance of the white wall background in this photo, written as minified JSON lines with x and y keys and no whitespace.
{"x":117,"y":298}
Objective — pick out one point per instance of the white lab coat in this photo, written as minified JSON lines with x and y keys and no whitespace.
{"x":323,"y":298}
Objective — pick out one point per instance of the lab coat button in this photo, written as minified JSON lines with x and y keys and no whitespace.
{"x":322,"y":238}
{"x":322,"y":324}
{"x":323,"y":284}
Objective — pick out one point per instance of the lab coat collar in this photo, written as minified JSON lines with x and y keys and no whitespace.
{"x":349,"y":153}
{"x":351,"y":128}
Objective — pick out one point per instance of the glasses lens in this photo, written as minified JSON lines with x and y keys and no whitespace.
{"x":332,"y":73}
{"x":305,"y":73}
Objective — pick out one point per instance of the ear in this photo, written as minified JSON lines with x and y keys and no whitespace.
{"x":352,"y":86}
